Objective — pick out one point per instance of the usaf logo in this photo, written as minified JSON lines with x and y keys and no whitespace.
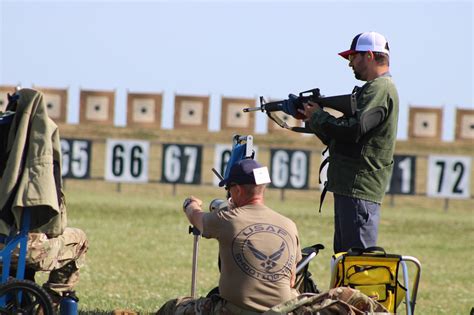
{"x":262,"y":251}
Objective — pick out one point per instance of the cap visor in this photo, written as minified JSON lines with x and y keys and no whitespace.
{"x":223,"y":182}
{"x":345,"y":54}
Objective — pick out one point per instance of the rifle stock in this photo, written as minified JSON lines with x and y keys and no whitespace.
{"x":343,"y":103}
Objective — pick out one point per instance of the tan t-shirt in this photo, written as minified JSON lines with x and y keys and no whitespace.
{"x":258,"y":248}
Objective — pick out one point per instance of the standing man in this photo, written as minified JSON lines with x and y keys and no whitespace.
{"x":361,"y":147}
{"x":258,"y":248}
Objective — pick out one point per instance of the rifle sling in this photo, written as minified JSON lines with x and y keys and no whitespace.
{"x":284,"y":125}
{"x":305,"y":129}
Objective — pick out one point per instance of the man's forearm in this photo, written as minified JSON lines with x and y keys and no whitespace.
{"x":195,"y":216}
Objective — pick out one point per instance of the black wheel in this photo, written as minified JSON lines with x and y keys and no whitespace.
{"x":24,"y":297}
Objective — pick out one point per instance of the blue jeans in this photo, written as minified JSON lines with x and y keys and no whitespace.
{"x":356,"y":223}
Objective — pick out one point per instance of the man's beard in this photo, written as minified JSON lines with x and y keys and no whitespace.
{"x":358,"y":75}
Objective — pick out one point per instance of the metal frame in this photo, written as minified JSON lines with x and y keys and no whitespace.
{"x":20,"y":240}
{"x":410,"y":299}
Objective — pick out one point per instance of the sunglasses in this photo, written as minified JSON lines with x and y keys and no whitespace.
{"x":351,"y":57}
{"x":228,"y":187}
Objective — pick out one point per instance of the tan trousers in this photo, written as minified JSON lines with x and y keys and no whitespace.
{"x":62,"y":256}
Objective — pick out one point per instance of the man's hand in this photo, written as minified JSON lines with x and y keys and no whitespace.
{"x":197,"y":203}
{"x":192,"y":209}
{"x":309,"y":109}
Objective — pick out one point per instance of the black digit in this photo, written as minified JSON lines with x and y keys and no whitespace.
{"x":136,"y":161}
{"x":440,"y":183}
{"x":456,"y":188}
{"x":117,"y":160}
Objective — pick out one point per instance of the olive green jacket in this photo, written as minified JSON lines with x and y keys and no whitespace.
{"x":32,"y":174}
{"x":361,"y":147}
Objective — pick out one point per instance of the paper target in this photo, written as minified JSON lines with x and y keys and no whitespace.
{"x":53,"y":105}
{"x":191,"y":112}
{"x":56,"y":103}
{"x":236,"y":118}
{"x":144,"y":110}
{"x":97,"y":107}
{"x":233,"y":116}
{"x":425,"y":123}
{"x":464,"y":124}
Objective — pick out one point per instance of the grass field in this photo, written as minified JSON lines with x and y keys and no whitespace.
{"x":140,"y":250}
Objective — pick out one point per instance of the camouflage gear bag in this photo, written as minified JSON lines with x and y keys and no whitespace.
{"x":337,"y":301}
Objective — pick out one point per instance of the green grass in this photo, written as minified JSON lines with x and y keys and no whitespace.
{"x":140,"y":250}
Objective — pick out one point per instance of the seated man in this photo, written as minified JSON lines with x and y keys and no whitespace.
{"x":258,"y":248}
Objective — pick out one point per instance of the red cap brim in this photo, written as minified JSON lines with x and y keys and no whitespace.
{"x":345,"y":54}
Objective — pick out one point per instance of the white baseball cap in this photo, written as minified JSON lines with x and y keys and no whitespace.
{"x":372,"y":41}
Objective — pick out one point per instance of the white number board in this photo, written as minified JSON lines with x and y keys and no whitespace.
{"x":449,"y":176}
{"x":181,"y":163}
{"x":76,"y":155}
{"x":222,"y":154}
{"x":289,"y":168}
{"x":127,"y":161}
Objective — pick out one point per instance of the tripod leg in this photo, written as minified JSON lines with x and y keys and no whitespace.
{"x":195,"y":264}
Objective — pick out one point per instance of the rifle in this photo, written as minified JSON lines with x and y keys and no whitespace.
{"x":345,"y":103}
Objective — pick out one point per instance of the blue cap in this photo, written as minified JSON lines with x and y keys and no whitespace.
{"x":241,"y":173}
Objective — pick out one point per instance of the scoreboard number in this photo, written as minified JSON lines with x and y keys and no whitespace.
{"x":181,"y":163}
{"x":289,"y":168}
{"x":448,"y":176}
{"x":403,"y":177}
{"x":127,"y":161}
{"x":75,"y":158}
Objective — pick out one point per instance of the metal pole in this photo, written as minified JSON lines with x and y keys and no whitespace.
{"x":197,"y":235}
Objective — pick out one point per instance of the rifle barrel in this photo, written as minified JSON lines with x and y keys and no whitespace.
{"x":252,"y":109}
